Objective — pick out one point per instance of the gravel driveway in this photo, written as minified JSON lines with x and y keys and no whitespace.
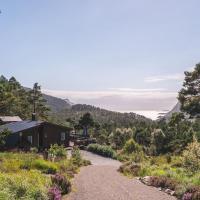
{"x":101,"y":181}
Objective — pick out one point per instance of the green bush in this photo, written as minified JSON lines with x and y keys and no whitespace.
{"x":131,"y":146}
{"x":76,"y":156}
{"x":45,"y":166}
{"x":137,"y":157}
{"x":3,"y":135}
{"x":191,"y":156}
{"x":57,"y":151}
{"x":67,"y":167}
{"x":102,"y":150}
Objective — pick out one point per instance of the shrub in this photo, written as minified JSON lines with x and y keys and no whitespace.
{"x":163,"y":182}
{"x":180,"y":191}
{"x":27,"y":162}
{"x":194,"y":191}
{"x":75,"y":153}
{"x":62,"y":183}
{"x":131,"y":146}
{"x":45,"y":166}
{"x":191,"y":156}
{"x":137,"y":157}
{"x":102,"y":150}
{"x":56,"y":151}
{"x":130,"y":168}
{"x":3,"y":135}
{"x":76,"y":156}
{"x":68,"y":167}
{"x":54,"y":193}
{"x":187,"y":196}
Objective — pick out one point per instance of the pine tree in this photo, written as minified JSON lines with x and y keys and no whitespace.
{"x":189,"y":96}
{"x":85,"y":122}
{"x":38,"y":103}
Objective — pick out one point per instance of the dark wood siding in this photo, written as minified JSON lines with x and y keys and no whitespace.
{"x":42,"y":137}
{"x":52,"y":135}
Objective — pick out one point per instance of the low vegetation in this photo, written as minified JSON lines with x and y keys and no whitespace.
{"x":177,"y":173}
{"x":30,"y":176}
{"x":102,"y":150}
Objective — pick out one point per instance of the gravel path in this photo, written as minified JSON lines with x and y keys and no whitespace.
{"x":101,"y":181}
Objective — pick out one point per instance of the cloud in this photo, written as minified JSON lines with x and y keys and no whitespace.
{"x":121,"y":99}
{"x":120,"y":92}
{"x":175,"y":77}
{"x":137,"y":90}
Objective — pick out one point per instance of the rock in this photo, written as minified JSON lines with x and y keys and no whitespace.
{"x":170,"y":192}
{"x":146,"y":180}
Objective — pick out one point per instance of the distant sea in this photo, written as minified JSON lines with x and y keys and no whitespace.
{"x":152,"y":114}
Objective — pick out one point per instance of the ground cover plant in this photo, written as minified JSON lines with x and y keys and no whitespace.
{"x":29,"y":176}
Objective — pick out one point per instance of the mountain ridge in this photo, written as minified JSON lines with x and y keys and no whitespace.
{"x":63,"y":109}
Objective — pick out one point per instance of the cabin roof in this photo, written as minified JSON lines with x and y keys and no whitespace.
{"x":20,"y":126}
{"x":10,"y":119}
{"x":16,"y":127}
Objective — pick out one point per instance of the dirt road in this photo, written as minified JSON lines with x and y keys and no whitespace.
{"x":101,"y":181}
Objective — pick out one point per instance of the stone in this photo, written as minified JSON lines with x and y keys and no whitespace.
{"x":146,"y":180}
{"x":170,"y":192}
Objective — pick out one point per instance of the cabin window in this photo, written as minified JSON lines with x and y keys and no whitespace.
{"x":30,"y":139}
{"x":62,"y":136}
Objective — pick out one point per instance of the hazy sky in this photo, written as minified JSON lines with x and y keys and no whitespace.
{"x":118,"y":54}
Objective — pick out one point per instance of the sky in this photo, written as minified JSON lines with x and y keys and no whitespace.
{"x":122,"y":55}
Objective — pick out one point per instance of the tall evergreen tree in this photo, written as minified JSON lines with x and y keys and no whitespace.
{"x":86,"y":122}
{"x":189,"y":96}
{"x":15,"y":100}
{"x":38,"y":103}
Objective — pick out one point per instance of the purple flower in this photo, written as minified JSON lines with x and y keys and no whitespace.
{"x":54,"y":193}
{"x":187,"y":196}
{"x":62,"y":183}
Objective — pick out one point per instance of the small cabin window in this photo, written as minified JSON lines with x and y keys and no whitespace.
{"x":30,"y":139}
{"x":62,"y":136}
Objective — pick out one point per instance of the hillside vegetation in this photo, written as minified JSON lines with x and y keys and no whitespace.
{"x":101,"y":116}
{"x":166,"y":153}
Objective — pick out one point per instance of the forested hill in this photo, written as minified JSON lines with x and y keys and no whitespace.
{"x":62,"y":109}
{"x":105,"y":115}
{"x":57,"y":104}
{"x":101,"y":116}
{"x":16,"y":99}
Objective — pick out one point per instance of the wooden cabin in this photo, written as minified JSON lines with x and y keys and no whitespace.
{"x":31,"y":133}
